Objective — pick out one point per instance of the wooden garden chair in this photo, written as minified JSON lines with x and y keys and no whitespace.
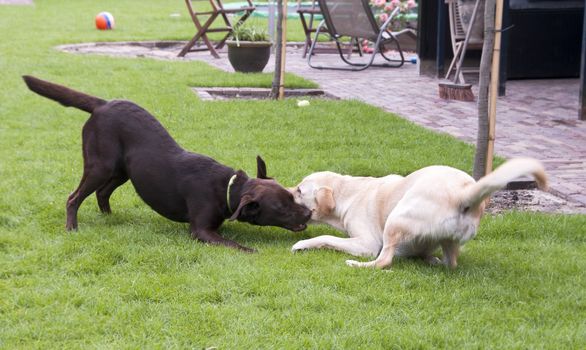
{"x":204,"y":19}
{"x":307,"y":15}
{"x":458,"y":34}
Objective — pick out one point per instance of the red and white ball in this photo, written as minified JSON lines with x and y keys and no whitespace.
{"x":104,"y":21}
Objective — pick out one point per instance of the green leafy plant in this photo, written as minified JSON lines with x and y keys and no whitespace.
{"x":249,"y":31}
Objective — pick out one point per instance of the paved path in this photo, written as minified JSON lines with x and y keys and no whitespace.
{"x":537,"y":118}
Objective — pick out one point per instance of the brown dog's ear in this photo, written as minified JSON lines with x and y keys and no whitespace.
{"x":324,"y":197}
{"x":261,"y":169}
{"x":247,"y":207}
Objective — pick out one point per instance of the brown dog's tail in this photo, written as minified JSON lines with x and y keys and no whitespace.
{"x":63,"y":95}
{"x":511,"y":170}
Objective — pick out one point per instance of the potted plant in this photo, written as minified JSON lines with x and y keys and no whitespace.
{"x":250,"y":48}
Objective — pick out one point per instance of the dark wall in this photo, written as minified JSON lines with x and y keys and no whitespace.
{"x":427,"y":37}
{"x":545,"y":4}
{"x":433,"y":37}
{"x":545,"y":41}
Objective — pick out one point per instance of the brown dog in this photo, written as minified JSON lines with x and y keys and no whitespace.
{"x":122,"y":141}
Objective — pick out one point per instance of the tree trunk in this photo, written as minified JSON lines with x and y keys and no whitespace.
{"x":483,"y":86}
{"x":278,"y":52}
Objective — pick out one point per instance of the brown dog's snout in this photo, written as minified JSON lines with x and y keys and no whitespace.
{"x":302,"y":215}
{"x":307,"y":213}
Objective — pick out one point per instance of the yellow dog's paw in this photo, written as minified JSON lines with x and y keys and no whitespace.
{"x":301,"y":245}
{"x":354,"y":263}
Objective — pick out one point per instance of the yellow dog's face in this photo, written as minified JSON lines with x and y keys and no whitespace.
{"x":315,"y":194}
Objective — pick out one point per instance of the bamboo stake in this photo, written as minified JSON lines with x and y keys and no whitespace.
{"x":494,"y":83}
{"x":277,"y":51}
{"x":283,"y":52}
{"x":483,"y":90}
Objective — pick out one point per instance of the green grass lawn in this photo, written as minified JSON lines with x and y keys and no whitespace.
{"x":136,"y":280}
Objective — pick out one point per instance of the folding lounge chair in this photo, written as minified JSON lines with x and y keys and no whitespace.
{"x":217,"y":10}
{"x":354,"y":19}
{"x":308,"y":15}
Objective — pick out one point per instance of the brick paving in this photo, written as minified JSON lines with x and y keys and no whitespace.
{"x":537,"y":118}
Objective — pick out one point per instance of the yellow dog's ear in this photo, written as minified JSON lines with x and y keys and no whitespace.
{"x":324,"y":197}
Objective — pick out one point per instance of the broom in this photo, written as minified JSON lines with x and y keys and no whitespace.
{"x":459,"y":90}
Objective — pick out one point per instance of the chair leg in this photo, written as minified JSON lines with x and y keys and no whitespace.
{"x":356,"y":42}
{"x":187,"y":48}
{"x":355,"y":67}
{"x":306,"y":31}
{"x":210,"y":46}
{"x":457,"y":53}
{"x":398,"y":46}
{"x":201,"y":33}
{"x":359,"y":66}
{"x":308,"y":34}
{"x":313,"y":44}
{"x":189,"y":45}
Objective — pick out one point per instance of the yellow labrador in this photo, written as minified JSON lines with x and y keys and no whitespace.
{"x":437,"y":206}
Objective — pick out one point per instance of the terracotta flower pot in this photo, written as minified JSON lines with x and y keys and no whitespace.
{"x":249,"y":56}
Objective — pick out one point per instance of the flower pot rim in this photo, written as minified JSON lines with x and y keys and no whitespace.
{"x":244,"y":43}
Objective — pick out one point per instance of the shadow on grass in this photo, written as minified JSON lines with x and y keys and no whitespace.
{"x":146,"y":221}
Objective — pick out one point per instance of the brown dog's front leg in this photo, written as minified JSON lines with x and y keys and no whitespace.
{"x":212,"y":237}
